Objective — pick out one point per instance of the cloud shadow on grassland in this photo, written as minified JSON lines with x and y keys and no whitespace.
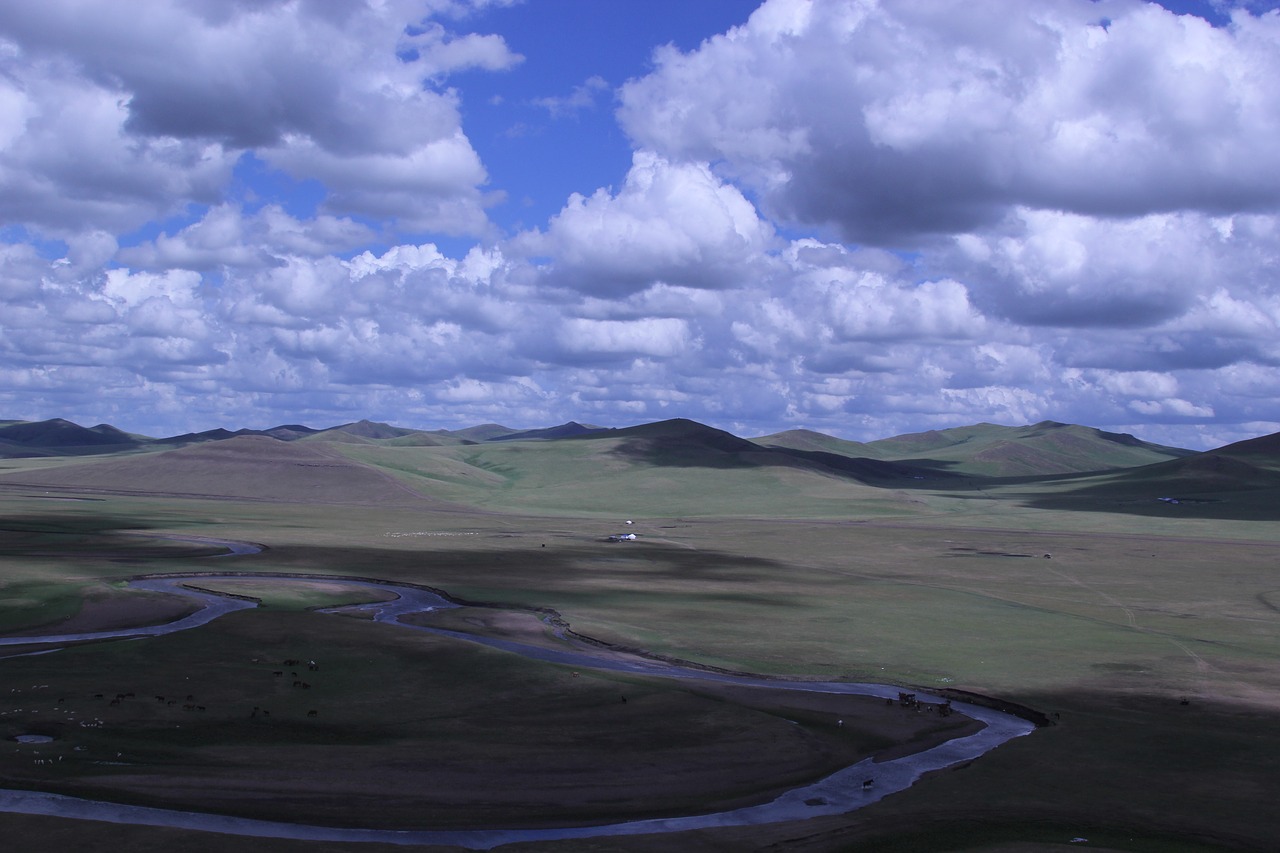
{"x":1143,"y":771}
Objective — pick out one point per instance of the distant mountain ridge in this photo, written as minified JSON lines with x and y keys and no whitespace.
{"x":985,"y":449}
{"x":675,"y":465}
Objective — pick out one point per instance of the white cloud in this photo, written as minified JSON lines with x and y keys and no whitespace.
{"x":1141,"y":383}
{"x":225,"y":236}
{"x":582,"y":97}
{"x":1175,"y":407}
{"x":1045,"y":218}
{"x":893,"y":121}
{"x":111,"y":119}
{"x":1063,"y":269}
{"x":669,"y":223}
{"x":656,"y":337}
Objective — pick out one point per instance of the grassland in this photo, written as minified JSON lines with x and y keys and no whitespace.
{"x":1149,"y":632}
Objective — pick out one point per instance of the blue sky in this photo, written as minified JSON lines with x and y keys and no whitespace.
{"x":865,"y":218}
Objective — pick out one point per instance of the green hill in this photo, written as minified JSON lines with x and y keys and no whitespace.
{"x":675,"y":467}
{"x":806,"y":439}
{"x":665,"y":468}
{"x":244,"y":467}
{"x":989,"y":450}
{"x":1239,"y":481}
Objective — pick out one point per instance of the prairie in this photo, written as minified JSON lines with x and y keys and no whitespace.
{"x":1146,"y":632}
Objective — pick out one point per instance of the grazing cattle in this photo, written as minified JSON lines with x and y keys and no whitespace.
{"x":278,"y":673}
{"x":868,"y":783}
{"x":311,"y":713}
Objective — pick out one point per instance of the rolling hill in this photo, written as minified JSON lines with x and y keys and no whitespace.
{"x":1238,"y":481}
{"x":247,"y":467}
{"x":675,"y":466}
{"x":988,"y":450}
{"x":58,"y":437}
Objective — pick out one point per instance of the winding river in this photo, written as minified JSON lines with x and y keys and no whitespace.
{"x":841,"y":792}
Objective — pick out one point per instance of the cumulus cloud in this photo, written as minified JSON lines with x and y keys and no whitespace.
{"x":111,"y":119}
{"x":68,"y":163}
{"x":862,"y":217}
{"x":894,"y":121}
{"x":671,"y":223}
{"x":660,"y":337}
{"x":225,"y":236}
{"x":1061,"y":269}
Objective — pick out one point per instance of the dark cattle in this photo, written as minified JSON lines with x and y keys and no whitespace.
{"x":311,"y":713}
{"x":867,"y":783}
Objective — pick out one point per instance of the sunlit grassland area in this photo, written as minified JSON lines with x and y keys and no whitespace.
{"x":570,"y":477}
{"x":1147,"y":632}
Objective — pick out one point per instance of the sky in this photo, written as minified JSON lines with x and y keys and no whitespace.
{"x":862,"y":217}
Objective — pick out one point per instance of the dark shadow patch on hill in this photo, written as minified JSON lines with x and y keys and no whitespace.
{"x":1207,"y":486}
{"x":681,"y":443}
{"x":91,"y":536}
{"x":574,"y":573}
{"x":1126,"y":770}
{"x":902,"y":474}
{"x":59,"y":437}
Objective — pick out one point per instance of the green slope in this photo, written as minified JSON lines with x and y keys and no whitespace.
{"x":1240,"y":481}
{"x":990,"y":450}
{"x":666,"y":469}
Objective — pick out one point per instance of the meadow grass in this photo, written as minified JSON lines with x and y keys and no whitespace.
{"x":1127,"y":617}
{"x":398,"y":728}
